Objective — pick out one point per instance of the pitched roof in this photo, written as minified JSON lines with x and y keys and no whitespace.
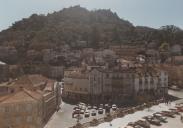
{"x":21,"y":96}
{"x":30,"y":81}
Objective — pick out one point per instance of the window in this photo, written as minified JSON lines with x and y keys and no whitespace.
{"x":1,"y":109}
{"x":18,"y":120}
{"x":17,"y":108}
{"x":140,"y":81}
{"x":151,"y":80}
{"x":124,"y":76}
{"x":107,"y":75}
{"x":99,"y":79}
{"x":119,"y":75}
{"x":146,"y":81}
{"x":29,"y":107}
{"x":29,"y":119}
{"x":6,"y":109}
{"x":164,"y":79}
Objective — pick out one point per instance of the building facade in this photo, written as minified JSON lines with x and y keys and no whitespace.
{"x":113,"y":85}
{"x":28,"y":102}
{"x":22,"y":109}
{"x":76,"y":85}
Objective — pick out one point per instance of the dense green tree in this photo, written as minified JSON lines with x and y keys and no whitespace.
{"x":169,"y":33}
{"x":116,"y":35}
{"x":95,"y":37}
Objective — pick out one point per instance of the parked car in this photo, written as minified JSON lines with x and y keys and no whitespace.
{"x":179,"y":108}
{"x":87,"y":114}
{"x":76,"y":107}
{"x":83,"y":108}
{"x":133,"y":125}
{"x":114,"y":107}
{"x":106,"y":106}
{"x":101,"y":106}
{"x":75,"y":112}
{"x":82,"y":111}
{"x":89,"y":107}
{"x":100,"y":111}
{"x":175,"y":111}
{"x":93,"y":113}
{"x":95,"y":107}
{"x":143,"y":123}
{"x":80,"y":105}
{"x":152,"y":120}
{"x":168,"y":114}
{"x":160,"y":117}
{"x":107,"y":110}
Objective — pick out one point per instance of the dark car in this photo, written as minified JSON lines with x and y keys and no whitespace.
{"x":93,"y":113}
{"x":152,"y":120}
{"x":87,"y":114}
{"x":143,"y":123}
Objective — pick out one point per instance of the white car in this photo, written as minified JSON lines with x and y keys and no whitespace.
{"x":89,"y":107}
{"x":100,"y":111}
{"x":95,"y":107}
{"x":114,"y":107}
{"x":101,"y":106}
{"x":83,"y":107}
{"x":82,"y":104}
{"x":82,"y":111}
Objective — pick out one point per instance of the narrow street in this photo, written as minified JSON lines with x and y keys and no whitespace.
{"x":62,"y":118}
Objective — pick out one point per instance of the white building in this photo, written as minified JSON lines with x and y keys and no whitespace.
{"x":96,"y":84}
{"x":155,"y":83}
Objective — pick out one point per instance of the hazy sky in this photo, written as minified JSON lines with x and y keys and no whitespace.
{"x":153,"y":13}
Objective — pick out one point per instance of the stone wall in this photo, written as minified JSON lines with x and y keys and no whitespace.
{"x":50,"y":105}
{"x":21,"y":115}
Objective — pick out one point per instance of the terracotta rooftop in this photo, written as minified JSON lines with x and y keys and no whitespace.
{"x":30,"y":81}
{"x":21,"y":96}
